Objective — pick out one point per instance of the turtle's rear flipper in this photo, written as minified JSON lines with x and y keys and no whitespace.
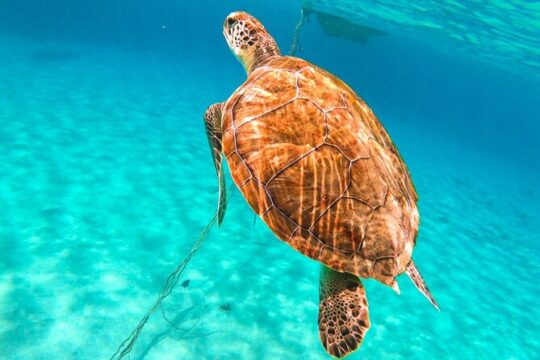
{"x":420,"y":284}
{"x":343,"y":312}
{"x":212,"y":122}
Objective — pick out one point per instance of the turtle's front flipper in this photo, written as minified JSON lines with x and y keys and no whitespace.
{"x":212,"y":121}
{"x":418,"y":281}
{"x":343,"y":312}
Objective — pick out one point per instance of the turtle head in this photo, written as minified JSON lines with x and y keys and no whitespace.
{"x":247,"y":38}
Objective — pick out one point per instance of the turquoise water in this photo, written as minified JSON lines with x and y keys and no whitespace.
{"x":106,"y":181}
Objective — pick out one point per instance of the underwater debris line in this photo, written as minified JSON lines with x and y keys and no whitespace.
{"x":186,"y":334}
{"x":127,"y":345}
{"x":173,"y":325}
{"x":296,"y":37}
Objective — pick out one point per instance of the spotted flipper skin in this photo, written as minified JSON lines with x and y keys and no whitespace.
{"x":212,"y":122}
{"x":343,"y":312}
{"x":418,"y":281}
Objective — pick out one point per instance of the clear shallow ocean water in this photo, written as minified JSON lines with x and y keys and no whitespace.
{"x":106,"y":180}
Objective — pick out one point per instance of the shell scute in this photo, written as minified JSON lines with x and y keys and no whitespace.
{"x":361,"y":110}
{"x":258,"y":95}
{"x":320,"y":89}
{"x":384,"y":270}
{"x":306,"y":243}
{"x":367,"y":185}
{"x":281,"y":225}
{"x":278,"y":155}
{"x":347,"y":134}
{"x":239,"y":169}
{"x":384,"y":237}
{"x":263,"y":137}
{"x":392,"y":168}
{"x":343,"y":225}
{"x":290,"y":64}
{"x":306,"y":188}
{"x":340,"y":260}
{"x":362,"y":266}
{"x":256,"y":196}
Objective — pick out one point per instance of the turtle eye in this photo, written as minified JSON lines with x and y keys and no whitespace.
{"x":231,"y":23}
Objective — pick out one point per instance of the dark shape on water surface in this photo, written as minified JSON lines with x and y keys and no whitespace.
{"x":342,"y":28}
{"x":185,"y":283}
{"x":226,"y":307}
{"x":52,"y":55}
{"x":335,"y":26}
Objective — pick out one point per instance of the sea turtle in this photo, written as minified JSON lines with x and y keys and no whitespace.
{"x":313,"y":161}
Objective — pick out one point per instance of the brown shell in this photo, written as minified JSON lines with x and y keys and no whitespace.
{"x":314,"y":162}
